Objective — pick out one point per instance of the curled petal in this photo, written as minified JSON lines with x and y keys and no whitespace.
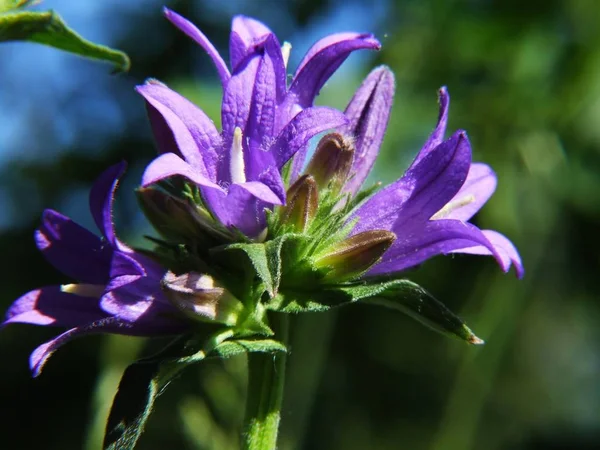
{"x":295,"y":135}
{"x":505,"y":249}
{"x":193,"y":32}
{"x":246,"y":35}
{"x":416,"y":244}
{"x":423,"y":190}
{"x":437,"y":136}
{"x":368,"y":114}
{"x":101,"y":200}
{"x":478,"y":188}
{"x":168,"y":165}
{"x":72,"y":249}
{"x":195,"y":135}
{"x":322,"y":60}
{"x":54,"y":305}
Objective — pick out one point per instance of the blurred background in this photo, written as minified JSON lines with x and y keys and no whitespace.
{"x":524,"y":78}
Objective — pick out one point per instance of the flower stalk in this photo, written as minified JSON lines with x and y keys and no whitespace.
{"x":266,"y":378}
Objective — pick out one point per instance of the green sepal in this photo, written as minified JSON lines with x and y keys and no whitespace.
{"x":48,"y":28}
{"x":144,"y":380}
{"x":413,"y":300}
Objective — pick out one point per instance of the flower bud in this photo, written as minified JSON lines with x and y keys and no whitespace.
{"x":353,"y":256}
{"x":330,"y":165}
{"x":198,"y":297}
{"x":302,"y":203}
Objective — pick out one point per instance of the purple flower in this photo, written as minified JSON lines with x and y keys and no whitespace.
{"x":428,"y":209}
{"x":265,"y":122}
{"x":118,"y":289}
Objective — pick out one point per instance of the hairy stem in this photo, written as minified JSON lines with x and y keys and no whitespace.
{"x":266,"y":377}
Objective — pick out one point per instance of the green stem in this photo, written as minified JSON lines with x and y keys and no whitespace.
{"x":266,"y":376}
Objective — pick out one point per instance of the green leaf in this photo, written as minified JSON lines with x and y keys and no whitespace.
{"x":48,"y":28}
{"x":8,"y":5}
{"x":146,"y":379}
{"x":412,"y":299}
{"x":257,"y":254}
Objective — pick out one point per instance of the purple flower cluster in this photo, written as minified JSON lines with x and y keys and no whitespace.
{"x":267,"y":123}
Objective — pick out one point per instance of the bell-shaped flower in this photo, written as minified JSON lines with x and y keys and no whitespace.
{"x":264,"y":122}
{"x":429,"y":207}
{"x":118,"y":290}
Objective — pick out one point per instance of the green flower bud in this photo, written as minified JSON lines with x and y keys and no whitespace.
{"x":302,"y":203}
{"x":331,"y":164}
{"x":198,"y":297}
{"x":353,"y":256}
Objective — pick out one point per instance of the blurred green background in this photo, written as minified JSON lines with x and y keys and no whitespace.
{"x":524,"y":78}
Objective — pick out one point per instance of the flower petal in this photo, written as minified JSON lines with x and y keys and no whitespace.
{"x":478,"y":188}
{"x":193,"y":32}
{"x":295,"y":135}
{"x":423,"y":190}
{"x":195,"y":135}
{"x":246,"y":35}
{"x":418,"y":243}
{"x":507,"y":251}
{"x":368,"y":114}
{"x":322,"y":60}
{"x":437,"y":136}
{"x":52,"y":305}
{"x":72,"y":249}
{"x":101,"y":200}
{"x":269,"y":90}
{"x":272,"y":179}
{"x":168,"y":165}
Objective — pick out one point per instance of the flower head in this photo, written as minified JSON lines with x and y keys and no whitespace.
{"x":265,"y":122}
{"x":118,"y":289}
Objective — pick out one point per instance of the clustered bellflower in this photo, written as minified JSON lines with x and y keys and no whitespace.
{"x":249,"y":230}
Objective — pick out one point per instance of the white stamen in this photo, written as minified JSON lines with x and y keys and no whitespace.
{"x":286,"y":49}
{"x":236,"y":164}
{"x":84,"y":290}
{"x":452,"y":206}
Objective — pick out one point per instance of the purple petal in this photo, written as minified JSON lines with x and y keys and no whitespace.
{"x":72,"y":249}
{"x":236,"y":109}
{"x":478,"y":188}
{"x":295,"y":135}
{"x":51,"y":305}
{"x":418,"y":243}
{"x":193,"y":32}
{"x":423,"y":190}
{"x":195,"y":135}
{"x":246,"y":35}
{"x":168,"y":165}
{"x":437,"y":136}
{"x":160,"y":326}
{"x":368,"y":114}
{"x":505,"y":249}
{"x":272,"y":179}
{"x":101,"y":200}
{"x":269,"y":89}
{"x":261,"y":192}
{"x":322,"y":60}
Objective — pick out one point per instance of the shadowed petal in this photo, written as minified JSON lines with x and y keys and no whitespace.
{"x":72,"y":249}
{"x":246,"y":35}
{"x":168,"y":165}
{"x":322,"y":60}
{"x":190,"y":29}
{"x":416,"y":244}
{"x":507,"y":251}
{"x":51,"y":305}
{"x":195,"y":135}
{"x":295,"y":135}
{"x":422,"y":191}
{"x":101,"y":200}
{"x":437,"y":136}
{"x":272,"y":179}
{"x":368,"y":114}
{"x":478,"y":188}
